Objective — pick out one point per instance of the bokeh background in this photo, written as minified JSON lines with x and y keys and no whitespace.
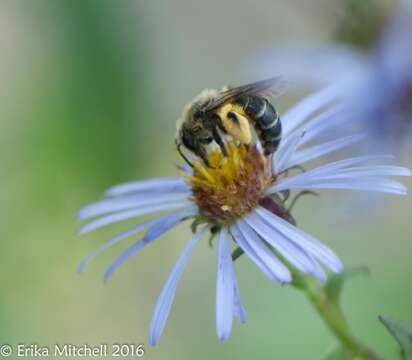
{"x":89,"y":95}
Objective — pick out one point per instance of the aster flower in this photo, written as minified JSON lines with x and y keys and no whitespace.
{"x":242,"y":199}
{"x":375,"y":87}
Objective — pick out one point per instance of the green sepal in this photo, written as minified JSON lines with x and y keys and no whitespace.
{"x":238,"y":252}
{"x":199,"y":220}
{"x":402,"y":333}
{"x":334,"y":285}
{"x":214,"y":227}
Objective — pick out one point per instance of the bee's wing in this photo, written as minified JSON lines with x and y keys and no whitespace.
{"x":272,"y":86}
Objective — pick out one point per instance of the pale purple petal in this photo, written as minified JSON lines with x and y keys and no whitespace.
{"x":259,"y":253}
{"x":128,"y":214}
{"x":289,"y":250}
{"x":108,"y":205}
{"x":157,"y":229}
{"x":307,"y":242}
{"x":372,"y":170}
{"x":164,"y":302}
{"x":321,"y":171}
{"x":325,"y":118}
{"x":355,"y":173}
{"x":306,"y":107}
{"x":224,"y":288}
{"x":114,"y":240}
{"x":330,"y":168}
{"x":370,"y":185}
{"x":316,"y":151}
{"x":327,"y":121}
{"x":251,"y":254}
{"x":238,"y":309}
{"x":153,"y":184}
{"x":282,"y":156}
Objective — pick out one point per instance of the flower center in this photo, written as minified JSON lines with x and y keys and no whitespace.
{"x":231,"y":186}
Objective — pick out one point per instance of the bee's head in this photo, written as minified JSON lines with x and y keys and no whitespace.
{"x":195,"y":130}
{"x":194,"y":137}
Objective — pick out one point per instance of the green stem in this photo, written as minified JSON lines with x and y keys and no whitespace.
{"x":333,"y":317}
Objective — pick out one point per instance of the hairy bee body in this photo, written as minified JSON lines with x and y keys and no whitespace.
{"x":237,"y":112}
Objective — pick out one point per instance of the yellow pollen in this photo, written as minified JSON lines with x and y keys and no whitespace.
{"x":230,"y":186}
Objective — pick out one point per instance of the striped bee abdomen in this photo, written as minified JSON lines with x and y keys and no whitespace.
{"x":266,"y":121}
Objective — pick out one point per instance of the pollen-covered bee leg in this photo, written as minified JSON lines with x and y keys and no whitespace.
{"x":298,"y":195}
{"x":219,"y":123}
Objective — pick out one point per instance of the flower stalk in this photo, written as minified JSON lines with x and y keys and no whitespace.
{"x":331,"y":313}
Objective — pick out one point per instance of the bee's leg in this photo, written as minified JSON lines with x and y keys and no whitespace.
{"x":219,"y":141}
{"x":205,"y":160}
{"x":217,"y":137}
{"x":246,"y":146}
{"x":183,"y":155}
{"x":298,"y":195}
{"x":201,"y":151}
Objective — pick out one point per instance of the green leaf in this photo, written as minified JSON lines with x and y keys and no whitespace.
{"x":402,"y":333}
{"x":334,"y":285}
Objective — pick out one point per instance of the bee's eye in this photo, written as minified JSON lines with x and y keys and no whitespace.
{"x":188,"y":141}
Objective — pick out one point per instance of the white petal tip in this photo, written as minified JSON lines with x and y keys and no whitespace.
{"x":82,"y":214}
{"x":338,"y":267}
{"x":286,"y":278}
{"x":83,"y":230}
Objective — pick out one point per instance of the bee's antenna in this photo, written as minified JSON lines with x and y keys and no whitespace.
{"x":179,"y":150}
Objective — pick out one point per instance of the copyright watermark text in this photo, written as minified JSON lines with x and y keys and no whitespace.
{"x":72,"y":350}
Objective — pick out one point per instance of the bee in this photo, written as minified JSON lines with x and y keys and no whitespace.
{"x":239,"y":112}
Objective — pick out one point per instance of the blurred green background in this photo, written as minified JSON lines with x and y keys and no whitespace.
{"x":89,"y":95}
